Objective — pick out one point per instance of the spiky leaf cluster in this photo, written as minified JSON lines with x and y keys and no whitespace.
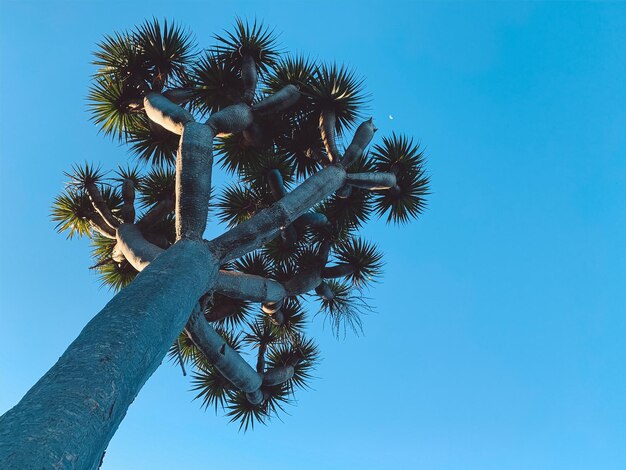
{"x":338,"y":89}
{"x":399,"y":155}
{"x":254,"y":39}
{"x":363,"y":257}
{"x":151,"y":57}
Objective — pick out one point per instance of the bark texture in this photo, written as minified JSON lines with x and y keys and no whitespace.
{"x":68,"y":417}
{"x":193,"y":180}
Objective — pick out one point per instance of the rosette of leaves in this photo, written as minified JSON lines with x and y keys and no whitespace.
{"x":399,"y":155}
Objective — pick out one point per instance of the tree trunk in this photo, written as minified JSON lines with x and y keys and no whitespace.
{"x":68,"y":417}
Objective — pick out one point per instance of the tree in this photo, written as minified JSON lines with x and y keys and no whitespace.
{"x":293,"y":218}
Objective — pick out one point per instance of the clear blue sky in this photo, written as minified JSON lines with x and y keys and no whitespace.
{"x":499,"y":340}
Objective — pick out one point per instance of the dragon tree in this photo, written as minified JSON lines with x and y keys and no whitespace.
{"x":289,"y":132}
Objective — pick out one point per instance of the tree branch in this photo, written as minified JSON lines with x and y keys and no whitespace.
{"x":324,"y":291}
{"x":134,"y":247}
{"x":266,"y":224}
{"x":99,"y":225}
{"x":278,"y":375}
{"x":338,"y":270}
{"x":68,"y":417}
{"x":221,"y":355}
{"x":260,"y":360}
{"x":279,"y":101}
{"x":155,"y":214}
{"x":179,"y":95}
{"x":194,"y":162}
{"x":362,"y":137}
{"x":100,"y":230}
{"x":100,"y":205}
{"x":139,"y":253}
{"x":235,"y":118}
{"x":249,"y":77}
{"x":329,"y":134}
{"x":166,"y":114}
{"x":303,"y":282}
{"x":311,"y":219}
{"x":238,"y":285}
{"x":371,"y":181}
{"x":127,"y":212}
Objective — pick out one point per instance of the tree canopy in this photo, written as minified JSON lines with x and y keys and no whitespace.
{"x":266,"y":161}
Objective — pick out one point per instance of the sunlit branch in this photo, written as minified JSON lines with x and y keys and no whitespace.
{"x":165,"y":113}
{"x":100,"y":205}
{"x":99,"y":225}
{"x":265,"y":225}
{"x":329,"y":134}
{"x":101,"y":230}
{"x":134,"y":247}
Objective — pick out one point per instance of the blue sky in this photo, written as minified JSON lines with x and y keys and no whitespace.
{"x":498,"y":338}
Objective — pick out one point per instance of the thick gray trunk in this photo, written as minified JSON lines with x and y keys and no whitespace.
{"x":140,"y":253}
{"x":68,"y":417}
